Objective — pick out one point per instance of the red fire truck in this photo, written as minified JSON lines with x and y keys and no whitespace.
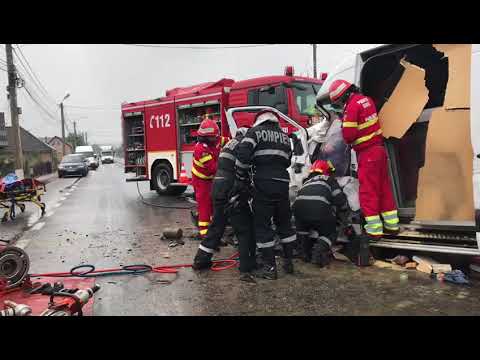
{"x":159,"y":135}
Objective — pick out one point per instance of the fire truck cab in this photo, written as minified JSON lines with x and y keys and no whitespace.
{"x":159,"y":135}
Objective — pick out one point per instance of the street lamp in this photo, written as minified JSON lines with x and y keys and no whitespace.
{"x":63,"y":122}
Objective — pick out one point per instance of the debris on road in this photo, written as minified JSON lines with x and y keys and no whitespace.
{"x":455,"y":277}
{"x":441,"y":268}
{"x":399,"y":260}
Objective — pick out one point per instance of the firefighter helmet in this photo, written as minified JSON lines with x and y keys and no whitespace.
{"x":323,"y":167}
{"x":264,"y":116}
{"x":337,"y":89}
{"x":208,"y":128}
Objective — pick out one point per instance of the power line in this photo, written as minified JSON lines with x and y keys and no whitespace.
{"x":38,"y":104}
{"x":200,"y":47}
{"x":45,"y":106}
{"x":32,"y":72}
{"x":91,"y":107}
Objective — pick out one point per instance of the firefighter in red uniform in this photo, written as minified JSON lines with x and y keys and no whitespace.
{"x":361,"y":129}
{"x":204,"y":166}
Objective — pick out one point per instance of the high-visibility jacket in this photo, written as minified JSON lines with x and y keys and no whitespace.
{"x":360,"y":124}
{"x":204,"y":161}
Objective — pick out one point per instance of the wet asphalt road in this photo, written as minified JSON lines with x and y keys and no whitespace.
{"x":99,"y":220}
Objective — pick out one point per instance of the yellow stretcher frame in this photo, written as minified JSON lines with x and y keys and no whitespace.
{"x":8,"y":200}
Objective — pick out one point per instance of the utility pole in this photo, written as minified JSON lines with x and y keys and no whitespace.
{"x":86,"y":138}
{"x":75,"y":136}
{"x":314,"y":60}
{"x":63,"y":128}
{"x":12,"y":92}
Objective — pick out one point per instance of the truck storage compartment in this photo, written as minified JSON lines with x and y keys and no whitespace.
{"x":410,"y":152}
{"x":134,"y":143}
{"x":189,"y":119}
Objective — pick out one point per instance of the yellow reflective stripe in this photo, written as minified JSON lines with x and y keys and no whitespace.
{"x":350,"y":124}
{"x":391,"y":227}
{"x":391,"y":221}
{"x":368,"y":123}
{"x":203,"y":223}
{"x":203,"y":232}
{"x":367,"y":137}
{"x":200,"y":175}
{"x":374,"y":217}
{"x":375,"y":232}
{"x":205,"y":158}
{"x":198,"y":163}
{"x":387,"y":213}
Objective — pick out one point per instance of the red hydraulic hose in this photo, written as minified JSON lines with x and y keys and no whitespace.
{"x":218,"y":265}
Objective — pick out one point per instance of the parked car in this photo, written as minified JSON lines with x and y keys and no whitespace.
{"x":88,"y":153}
{"x":73,"y":164}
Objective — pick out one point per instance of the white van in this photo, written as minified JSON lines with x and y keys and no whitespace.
{"x":107,"y":154}
{"x":89,"y":154}
{"x":435,"y":157}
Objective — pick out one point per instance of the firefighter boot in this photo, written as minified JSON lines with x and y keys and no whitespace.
{"x":321,"y":253}
{"x":194,"y":218}
{"x":307,"y":244}
{"x":288,"y":258}
{"x":203,"y":260}
{"x":269,"y":267}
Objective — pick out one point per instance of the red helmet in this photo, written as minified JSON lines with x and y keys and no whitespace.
{"x":208,"y":127}
{"x":323,"y":167}
{"x":337,"y":89}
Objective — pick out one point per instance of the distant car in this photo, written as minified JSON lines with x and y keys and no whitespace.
{"x":88,"y":153}
{"x":73,"y":164}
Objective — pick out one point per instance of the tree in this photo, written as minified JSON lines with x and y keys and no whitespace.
{"x":70,"y":139}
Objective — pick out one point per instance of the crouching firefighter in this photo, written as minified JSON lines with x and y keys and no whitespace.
{"x":268,"y":149}
{"x":315,"y":208}
{"x":204,"y":167}
{"x":227,"y":205}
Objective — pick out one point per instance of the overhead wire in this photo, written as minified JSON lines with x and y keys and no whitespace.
{"x":43,"y":88}
{"x":45,"y":106}
{"x":199,"y":47}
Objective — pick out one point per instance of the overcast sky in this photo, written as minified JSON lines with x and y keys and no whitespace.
{"x":100,"y":77}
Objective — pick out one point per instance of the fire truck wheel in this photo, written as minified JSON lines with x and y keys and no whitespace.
{"x":162,"y":177}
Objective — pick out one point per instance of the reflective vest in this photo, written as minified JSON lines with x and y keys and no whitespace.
{"x":204,"y":161}
{"x":360,"y":124}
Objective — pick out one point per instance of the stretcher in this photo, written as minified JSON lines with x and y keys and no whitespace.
{"x":16,"y":193}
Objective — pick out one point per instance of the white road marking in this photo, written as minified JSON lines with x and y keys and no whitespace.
{"x":38,"y":226}
{"x":68,"y":193}
{"x":63,"y":198}
{"x":50,"y":213}
{"x":56,"y":206}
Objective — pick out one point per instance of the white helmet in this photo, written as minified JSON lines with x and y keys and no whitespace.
{"x":264,"y":116}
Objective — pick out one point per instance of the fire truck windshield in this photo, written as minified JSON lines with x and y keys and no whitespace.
{"x":305,"y":95}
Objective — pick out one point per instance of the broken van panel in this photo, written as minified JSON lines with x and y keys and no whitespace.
{"x":459,"y":64}
{"x":406,"y":102}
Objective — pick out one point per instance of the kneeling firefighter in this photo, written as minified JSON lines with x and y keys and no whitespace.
{"x":238,"y":213}
{"x":268,"y":149}
{"x":315,"y":208}
{"x":204,"y":167}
